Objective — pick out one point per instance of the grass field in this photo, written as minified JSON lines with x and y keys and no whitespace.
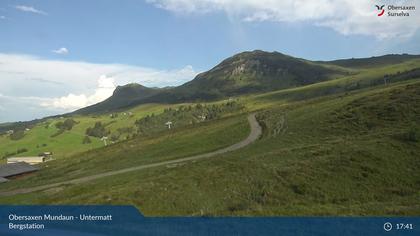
{"x":166,"y":145}
{"x":348,"y":146}
{"x":39,"y":138}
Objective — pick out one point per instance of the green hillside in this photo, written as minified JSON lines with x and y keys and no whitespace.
{"x":244,"y":73}
{"x":346,"y":145}
{"x":118,"y":126}
{"x":256,"y":71}
{"x":317,"y":157}
{"x":248,"y":72}
{"x":43,"y":137}
{"x":166,"y":145}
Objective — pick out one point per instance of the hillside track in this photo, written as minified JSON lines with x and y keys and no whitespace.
{"x":255,"y":133}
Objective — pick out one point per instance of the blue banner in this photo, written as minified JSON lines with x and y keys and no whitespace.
{"x":127,"y":220}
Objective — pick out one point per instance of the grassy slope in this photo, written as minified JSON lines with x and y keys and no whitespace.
{"x":361,"y":79}
{"x":305,"y":169}
{"x":344,"y":154}
{"x":70,"y":142}
{"x":176,"y":143}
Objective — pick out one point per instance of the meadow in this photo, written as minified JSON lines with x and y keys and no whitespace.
{"x":347,"y":146}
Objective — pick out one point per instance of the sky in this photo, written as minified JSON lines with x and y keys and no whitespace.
{"x":57,"y":56}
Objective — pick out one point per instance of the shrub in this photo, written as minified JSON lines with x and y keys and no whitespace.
{"x":412,"y":135}
{"x":8,"y":154}
{"x":66,"y":125}
{"x":86,"y":140}
{"x":60,"y":131}
{"x":63,"y":126}
{"x":21,"y":150}
{"x":186,"y":115}
{"x":59,"y":124}
{"x":114,"y":137}
{"x":19,"y":134}
{"x":125,"y":130}
{"x":98,"y":130}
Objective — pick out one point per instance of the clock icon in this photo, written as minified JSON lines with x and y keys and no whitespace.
{"x":387,"y":226}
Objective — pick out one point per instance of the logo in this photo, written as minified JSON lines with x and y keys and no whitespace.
{"x":380,"y":9}
{"x":395,"y":10}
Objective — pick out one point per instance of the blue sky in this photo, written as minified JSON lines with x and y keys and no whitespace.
{"x":57,"y":56}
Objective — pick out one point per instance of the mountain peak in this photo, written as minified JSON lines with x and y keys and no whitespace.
{"x":257,"y":71}
{"x":246,"y":72}
{"x":122,"y":97}
{"x":130,"y":88}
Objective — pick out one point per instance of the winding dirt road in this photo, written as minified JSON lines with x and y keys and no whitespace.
{"x":255,"y":133}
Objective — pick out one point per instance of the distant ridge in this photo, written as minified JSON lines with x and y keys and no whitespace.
{"x":372,"y":61}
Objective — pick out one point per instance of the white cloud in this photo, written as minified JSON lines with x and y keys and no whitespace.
{"x":106,"y":82}
{"x":55,"y":86}
{"x":344,"y":16}
{"x":71,"y":101}
{"x":62,"y":51}
{"x":30,"y":9}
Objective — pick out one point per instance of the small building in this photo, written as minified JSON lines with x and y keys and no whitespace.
{"x":15,"y":169}
{"x":29,"y":160}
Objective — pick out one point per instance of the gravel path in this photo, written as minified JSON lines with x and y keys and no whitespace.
{"x":254,"y":135}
